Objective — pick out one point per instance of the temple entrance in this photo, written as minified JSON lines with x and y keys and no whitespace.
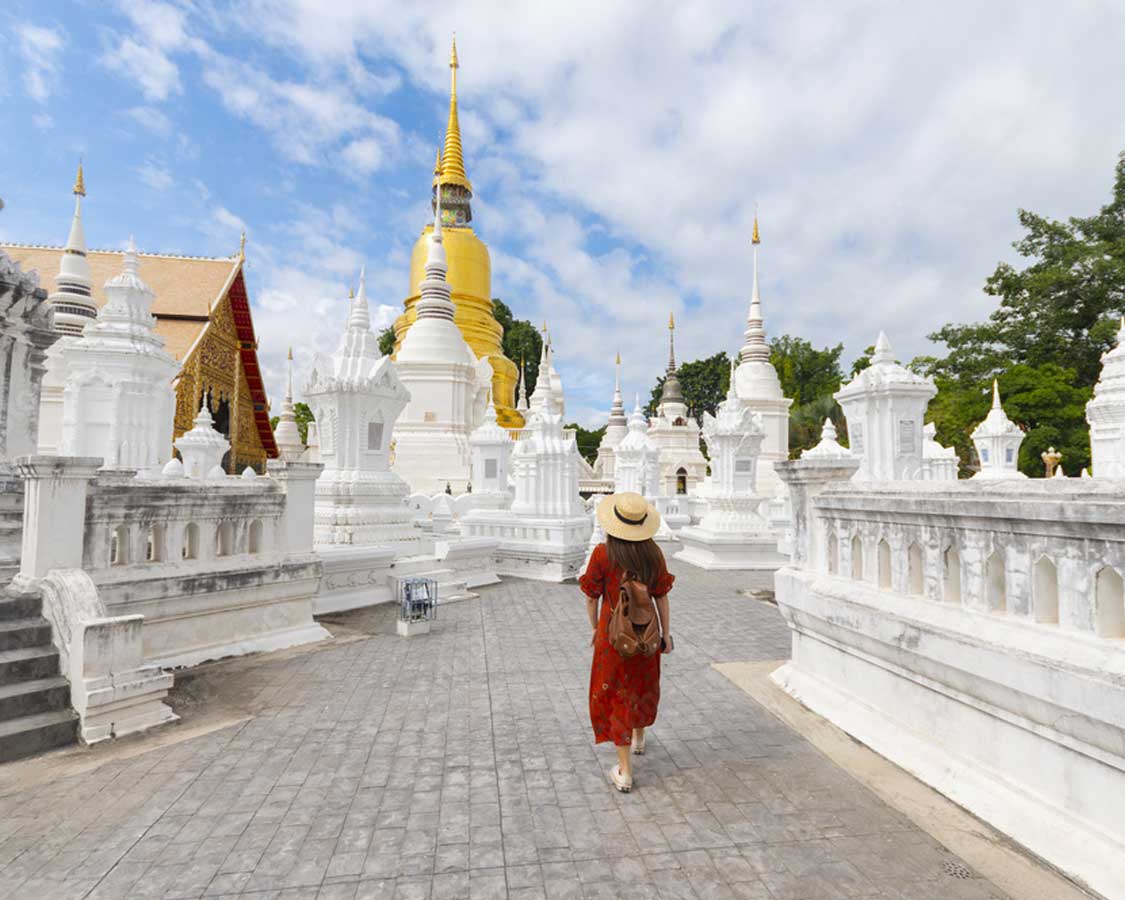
{"x":681,"y":480}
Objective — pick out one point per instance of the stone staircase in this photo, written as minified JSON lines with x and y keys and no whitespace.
{"x":35,"y":713}
{"x":450,"y":588}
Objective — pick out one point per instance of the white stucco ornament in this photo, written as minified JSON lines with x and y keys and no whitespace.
{"x":202,"y":448}
{"x":829,"y":446}
{"x":998,"y":440}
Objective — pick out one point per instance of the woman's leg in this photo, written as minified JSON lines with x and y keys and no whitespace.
{"x":638,"y":741}
{"x":625,"y":760}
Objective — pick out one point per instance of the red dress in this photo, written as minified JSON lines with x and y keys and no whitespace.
{"x":624,"y":693}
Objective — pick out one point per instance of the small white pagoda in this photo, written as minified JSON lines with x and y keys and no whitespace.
{"x":287,"y":435}
{"x":1106,"y":414}
{"x":885,"y":405}
{"x":732,"y":533}
{"x":545,"y":532}
{"x":637,"y":467}
{"x":998,"y":440}
{"x":675,"y":433}
{"x":615,"y":430}
{"x":356,"y":397}
{"x":119,"y":402}
{"x":491,"y":452}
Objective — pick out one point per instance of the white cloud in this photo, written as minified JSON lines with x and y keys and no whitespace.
{"x":40,"y":48}
{"x":153,"y":71}
{"x":155,"y":175}
{"x":151,"y":119}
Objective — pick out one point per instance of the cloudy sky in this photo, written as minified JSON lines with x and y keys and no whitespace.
{"x":617,"y":151}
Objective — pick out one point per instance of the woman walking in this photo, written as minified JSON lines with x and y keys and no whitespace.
{"x":625,"y":691}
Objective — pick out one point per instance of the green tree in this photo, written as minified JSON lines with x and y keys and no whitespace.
{"x":522,"y":341}
{"x":387,"y":340}
{"x":704,"y":383}
{"x":588,"y":440}
{"x":806,"y":374}
{"x":303,"y":415}
{"x":863,"y":362}
{"x":1055,"y":318}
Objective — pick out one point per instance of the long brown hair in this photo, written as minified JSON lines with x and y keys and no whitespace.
{"x":640,"y":560}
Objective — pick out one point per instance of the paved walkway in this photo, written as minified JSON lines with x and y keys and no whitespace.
{"x":461,"y":764}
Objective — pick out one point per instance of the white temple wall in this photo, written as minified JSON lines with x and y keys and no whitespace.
{"x":975,"y":635}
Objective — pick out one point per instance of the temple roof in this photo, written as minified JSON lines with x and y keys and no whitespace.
{"x":187,"y":289}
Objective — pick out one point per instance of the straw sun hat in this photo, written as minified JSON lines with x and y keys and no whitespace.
{"x":628,"y":516}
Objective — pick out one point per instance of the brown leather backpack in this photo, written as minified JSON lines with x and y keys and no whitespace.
{"x":634,"y":624}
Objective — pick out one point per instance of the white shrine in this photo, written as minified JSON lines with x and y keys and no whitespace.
{"x":448,"y":387}
{"x":356,"y":396}
{"x":732,"y":533}
{"x":759,"y":389}
{"x":885,"y":405}
{"x":998,"y":440}
{"x":675,"y":433}
{"x":73,"y":308}
{"x":287,"y":435}
{"x":1106,"y":414}
{"x":118,"y":402}
{"x":615,"y":430}
{"x":201,"y":449}
{"x":544,"y":533}
{"x":491,"y":452}
{"x":544,"y":398}
{"x":637,"y":467}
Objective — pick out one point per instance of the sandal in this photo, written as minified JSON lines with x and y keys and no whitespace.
{"x":623,"y":783}
{"x":639,"y":746}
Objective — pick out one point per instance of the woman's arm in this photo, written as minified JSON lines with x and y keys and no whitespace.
{"x":592,"y":613}
{"x":665,"y":618}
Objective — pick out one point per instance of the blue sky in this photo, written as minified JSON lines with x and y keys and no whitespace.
{"x":617,"y":151}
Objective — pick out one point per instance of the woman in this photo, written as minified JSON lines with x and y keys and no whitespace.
{"x":624,"y":692}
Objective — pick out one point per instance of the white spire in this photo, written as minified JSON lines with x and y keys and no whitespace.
{"x":755,"y":347}
{"x":883,"y":352}
{"x":289,"y":378}
{"x":521,"y":405}
{"x":359,"y":316}
{"x":287,"y":434}
{"x":617,"y":410}
{"x":74,"y":282}
{"x":542,"y":398}
{"x":435,"y":301}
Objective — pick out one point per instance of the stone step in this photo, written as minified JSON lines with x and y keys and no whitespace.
{"x":29,"y":632}
{"x":28,"y":698}
{"x":20,"y":607}
{"x":28,"y":735}
{"x":27,"y":663}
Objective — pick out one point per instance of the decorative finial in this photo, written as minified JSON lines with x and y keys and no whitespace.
{"x":995,"y":394}
{"x":290,"y":354}
{"x":453,"y":64}
{"x":351,"y":293}
{"x":79,"y":181}
{"x":618,"y":360}
{"x":242,"y":245}
{"x":755,"y":238}
{"x":671,"y":322}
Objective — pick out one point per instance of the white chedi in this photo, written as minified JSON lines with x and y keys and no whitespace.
{"x":675,"y":433}
{"x":118,"y":402}
{"x":998,"y":440}
{"x":287,"y":435}
{"x":448,"y":386}
{"x":491,"y":452}
{"x":201,"y":450}
{"x":1106,"y":414}
{"x":885,"y":405}
{"x":938,"y":463}
{"x":829,"y":446}
{"x":356,"y":398}
{"x":615,"y":430}
{"x":758,"y":387}
{"x":637,"y":459}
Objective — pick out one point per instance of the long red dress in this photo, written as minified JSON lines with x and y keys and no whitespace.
{"x":624,"y":693}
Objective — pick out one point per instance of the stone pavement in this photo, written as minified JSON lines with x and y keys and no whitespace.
{"x":461,"y":764}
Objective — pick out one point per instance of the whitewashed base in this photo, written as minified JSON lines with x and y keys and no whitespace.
{"x":542,"y":549}
{"x":410,"y":629}
{"x":354,"y":577}
{"x":710,"y":550}
{"x":1023,"y":728}
{"x":124,"y":704}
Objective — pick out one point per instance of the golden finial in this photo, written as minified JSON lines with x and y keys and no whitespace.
{"x":290,"y":354}
{"x":242,"y":245}
{"x":671,"y":322}
{"x":755,"y":239}
{"x":79,"y":181}
{"x":618,"y":361}
{"x":452,"y":160}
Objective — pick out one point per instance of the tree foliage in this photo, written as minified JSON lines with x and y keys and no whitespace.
{"x":387,"y":340}
{"x":522,"y":341}
{"x":303,"y":415}
{"x":1044,"y":341}
{"x":807,"y":374}
{"x":588,"y":440}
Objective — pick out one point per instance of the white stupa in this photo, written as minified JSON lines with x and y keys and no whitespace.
{"x":543,"y":398}
{"x":829,"y":446}
{"x":759,"y":389}
{"x":1106,"y":414}
{"x":732,"y":533}
{"x":615,"y":430}
{"x":287,"y":435}
{"x":675,"y":433}
{"x":998,"y":440}
{"x":491,"y":452}
{"x":73,"y":308}
{"x":637,"y":468}
{"x":885,"y":405}
{"x":201,"y":449}
{"x":448,"y":386}
{"x":118,"y":402}
{"x":356,"y":396}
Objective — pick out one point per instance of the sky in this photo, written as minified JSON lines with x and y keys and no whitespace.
{"x":617,"y":152}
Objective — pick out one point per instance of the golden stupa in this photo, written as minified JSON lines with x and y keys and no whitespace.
{"x":470,"y":269}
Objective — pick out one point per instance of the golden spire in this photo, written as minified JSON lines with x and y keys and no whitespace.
{"x":242,"y":245}
{"x":452,"y":161}
{"x":79,"y":182}
{"x":671,"y":322}
{"x":290,"y":354}
{"x":618,"y":361}
{"x":755,"y":239}
{"x":351,"y":293}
